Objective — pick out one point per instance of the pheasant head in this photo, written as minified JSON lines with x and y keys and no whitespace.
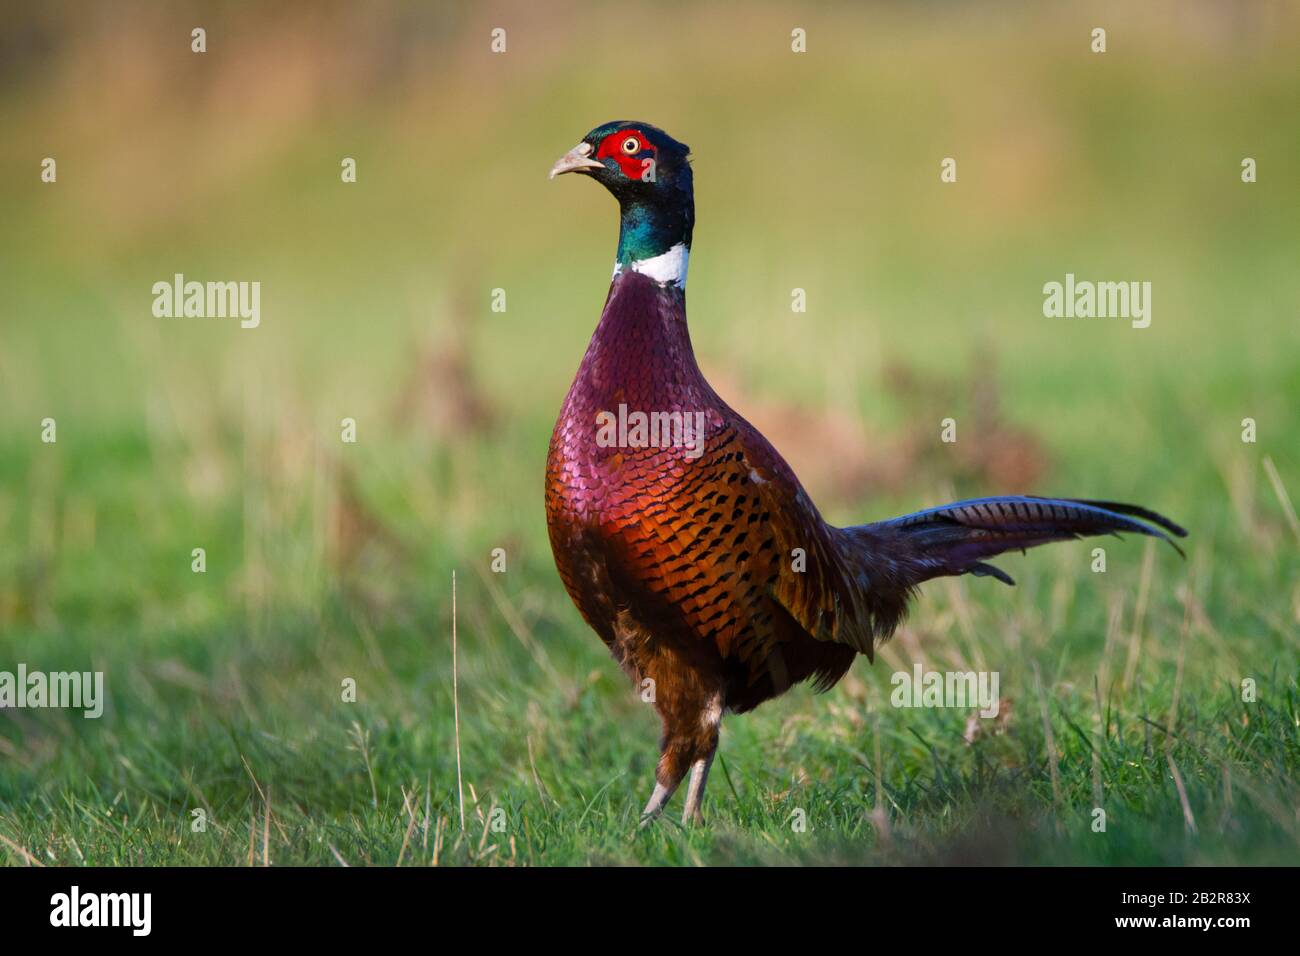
{"x":649,"y":173}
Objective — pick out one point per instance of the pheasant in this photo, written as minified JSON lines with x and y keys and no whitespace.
{"x":686,"y":541}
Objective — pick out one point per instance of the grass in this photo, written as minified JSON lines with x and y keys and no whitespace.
{"x":260,"y":741}
{"x":328,"y":562}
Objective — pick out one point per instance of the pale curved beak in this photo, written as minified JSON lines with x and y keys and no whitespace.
{"x":576,"y":159}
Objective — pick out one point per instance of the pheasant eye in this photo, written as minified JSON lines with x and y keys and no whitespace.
{"x":631,"y":145}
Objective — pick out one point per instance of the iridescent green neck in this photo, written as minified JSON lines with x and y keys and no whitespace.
{"x":650,"y":228}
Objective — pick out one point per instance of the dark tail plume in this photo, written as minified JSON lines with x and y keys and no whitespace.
{"x":954,"y":538}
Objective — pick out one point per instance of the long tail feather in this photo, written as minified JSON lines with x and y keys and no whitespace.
{"x":954,"y":538}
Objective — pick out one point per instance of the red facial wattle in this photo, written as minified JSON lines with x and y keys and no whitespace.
{"x":632,"y":164}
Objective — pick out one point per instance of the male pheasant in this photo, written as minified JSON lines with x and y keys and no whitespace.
{"x":684,"y":538}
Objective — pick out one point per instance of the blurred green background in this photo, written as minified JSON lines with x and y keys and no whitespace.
{"x":817,"y":171}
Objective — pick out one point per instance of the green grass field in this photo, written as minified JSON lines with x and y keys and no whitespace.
{"x":328,"y":561}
